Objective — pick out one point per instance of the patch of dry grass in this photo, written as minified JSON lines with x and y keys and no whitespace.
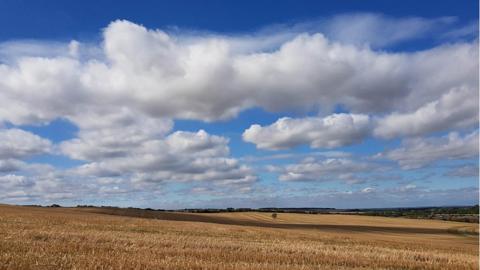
{"x":39,"y":238}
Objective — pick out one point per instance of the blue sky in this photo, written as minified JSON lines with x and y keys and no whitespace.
{"x":239,"y":104}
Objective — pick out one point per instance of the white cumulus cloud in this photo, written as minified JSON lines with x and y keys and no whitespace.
{"x":328,"y":132}
{"x":17,"y":144}
{"x":211,"y":77}
{"x":420,"y":152}
{"x":457,"y":108}
{"x":332,"y":169}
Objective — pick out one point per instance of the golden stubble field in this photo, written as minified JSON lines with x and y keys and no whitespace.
{"x":94,"y":238}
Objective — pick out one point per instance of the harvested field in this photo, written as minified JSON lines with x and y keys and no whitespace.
{"x":109,"y":238}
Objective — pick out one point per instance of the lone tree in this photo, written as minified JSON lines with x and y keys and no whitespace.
{"x":274,"y":215}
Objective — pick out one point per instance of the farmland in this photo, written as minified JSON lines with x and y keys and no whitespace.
{"x":104,"y":238}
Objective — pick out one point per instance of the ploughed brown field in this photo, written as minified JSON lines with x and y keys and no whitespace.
{"x":104,"y":238}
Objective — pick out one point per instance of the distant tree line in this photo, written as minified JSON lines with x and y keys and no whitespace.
{"x":461,"y":213}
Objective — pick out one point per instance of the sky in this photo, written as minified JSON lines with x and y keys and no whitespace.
{"x":196,"y":104}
